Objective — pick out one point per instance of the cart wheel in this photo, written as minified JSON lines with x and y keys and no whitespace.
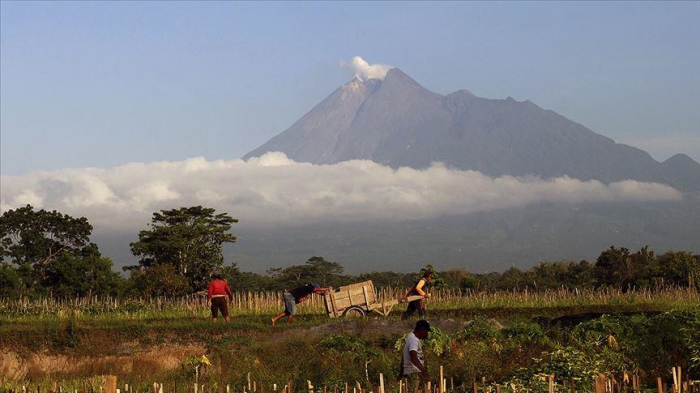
{"x":354,"y":312}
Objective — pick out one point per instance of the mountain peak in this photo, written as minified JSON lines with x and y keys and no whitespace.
{"x":398,"y":122}
{"x":685,"y":170}
{"x":395,"y":75}
{"x":681,"y":159}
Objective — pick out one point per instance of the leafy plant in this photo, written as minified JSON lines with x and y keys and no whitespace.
{"x":196,"y":362}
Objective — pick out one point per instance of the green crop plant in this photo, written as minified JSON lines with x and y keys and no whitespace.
{"x":196,"y":363}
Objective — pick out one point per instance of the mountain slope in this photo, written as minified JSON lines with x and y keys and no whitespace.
{"x":398,"y":122}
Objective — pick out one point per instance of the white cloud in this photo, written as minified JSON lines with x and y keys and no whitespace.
{"x":364,"y":70}
{"x":273,"y":189}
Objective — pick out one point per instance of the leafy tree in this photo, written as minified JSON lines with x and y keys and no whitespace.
{"x":468,"y":283}
{"x":546,"y":275}
{"x":580,"y":275}
{"x":159,"y":280}
{"x":324,"y":271}
{"x":82,"y":274}
{"x":316,"y":269}
{"x":617,"y":267}
{"x":513,"y":278}
{"x":676,"y":268}
{"x":10,"y":281}
{"x":37,"y":240}
{"x":190,"y":239}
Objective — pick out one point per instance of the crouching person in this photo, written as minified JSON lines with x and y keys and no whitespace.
{"x":296,"y":296}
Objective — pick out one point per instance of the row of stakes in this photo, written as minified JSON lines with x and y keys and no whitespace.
{"x":603,"y":384}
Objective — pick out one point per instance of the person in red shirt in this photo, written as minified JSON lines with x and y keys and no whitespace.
{"x":216,"y":296}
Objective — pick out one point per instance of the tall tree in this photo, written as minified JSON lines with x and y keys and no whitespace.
{"x":35,"y":238}
{"x":617,"y":267}
{"x":190,"y":239}
{"x":54,"y":254}
{"x":676,"y":268}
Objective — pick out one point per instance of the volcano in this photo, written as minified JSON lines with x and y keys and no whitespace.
{"x":398,"y":122}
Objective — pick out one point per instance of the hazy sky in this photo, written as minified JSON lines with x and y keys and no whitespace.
{"x":102,"y":84}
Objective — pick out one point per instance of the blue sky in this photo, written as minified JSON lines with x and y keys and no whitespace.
{"x":102,"y":84}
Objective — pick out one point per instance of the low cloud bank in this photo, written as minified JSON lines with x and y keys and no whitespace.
{"x":273,"y":189}
{"x":364,"y":70}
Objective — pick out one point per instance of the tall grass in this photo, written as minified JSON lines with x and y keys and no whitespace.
{"x":268,"y":303}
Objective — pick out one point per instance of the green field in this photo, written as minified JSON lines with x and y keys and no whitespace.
{"x":514,"y":339}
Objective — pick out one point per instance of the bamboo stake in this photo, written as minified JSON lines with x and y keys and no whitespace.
{"x":659,"y":385}
{"x":600,"y":383}
{"x":381,"y":383}
{"x":675,"y":380}
{"x":110,"y":384}
{"x":442,"y":381}
{"x":551,"y":383}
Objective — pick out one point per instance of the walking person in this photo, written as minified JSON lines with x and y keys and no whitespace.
{"x":216,"y":296}
{"x":418,"y":290}
{"x":413,"y":358}
{"x":295,"y":296}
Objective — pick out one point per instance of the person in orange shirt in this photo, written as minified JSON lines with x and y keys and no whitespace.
{"x":417,"y":289}
{"x":216,"y":296}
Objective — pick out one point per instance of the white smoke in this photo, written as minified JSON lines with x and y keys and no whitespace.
{"x":364,"y":70}
{"x":273,"y":189}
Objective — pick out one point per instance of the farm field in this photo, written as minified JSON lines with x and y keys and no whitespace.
{"x":513,"y":340}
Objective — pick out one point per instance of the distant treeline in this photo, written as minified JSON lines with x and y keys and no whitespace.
{"x":49,"y":254}
{"x":615,"y":267}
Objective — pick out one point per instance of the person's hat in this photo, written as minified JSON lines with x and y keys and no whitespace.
{"x":423,"y":324}
{"x":216,"y":275}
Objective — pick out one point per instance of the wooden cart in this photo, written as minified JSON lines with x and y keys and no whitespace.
{"x":356,"y":300}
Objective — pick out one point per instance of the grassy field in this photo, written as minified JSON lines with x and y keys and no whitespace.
{"x":506,"y":338}
{"x":268,"y":303}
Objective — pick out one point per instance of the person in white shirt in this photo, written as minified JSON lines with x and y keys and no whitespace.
{"x":413,"y":358}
